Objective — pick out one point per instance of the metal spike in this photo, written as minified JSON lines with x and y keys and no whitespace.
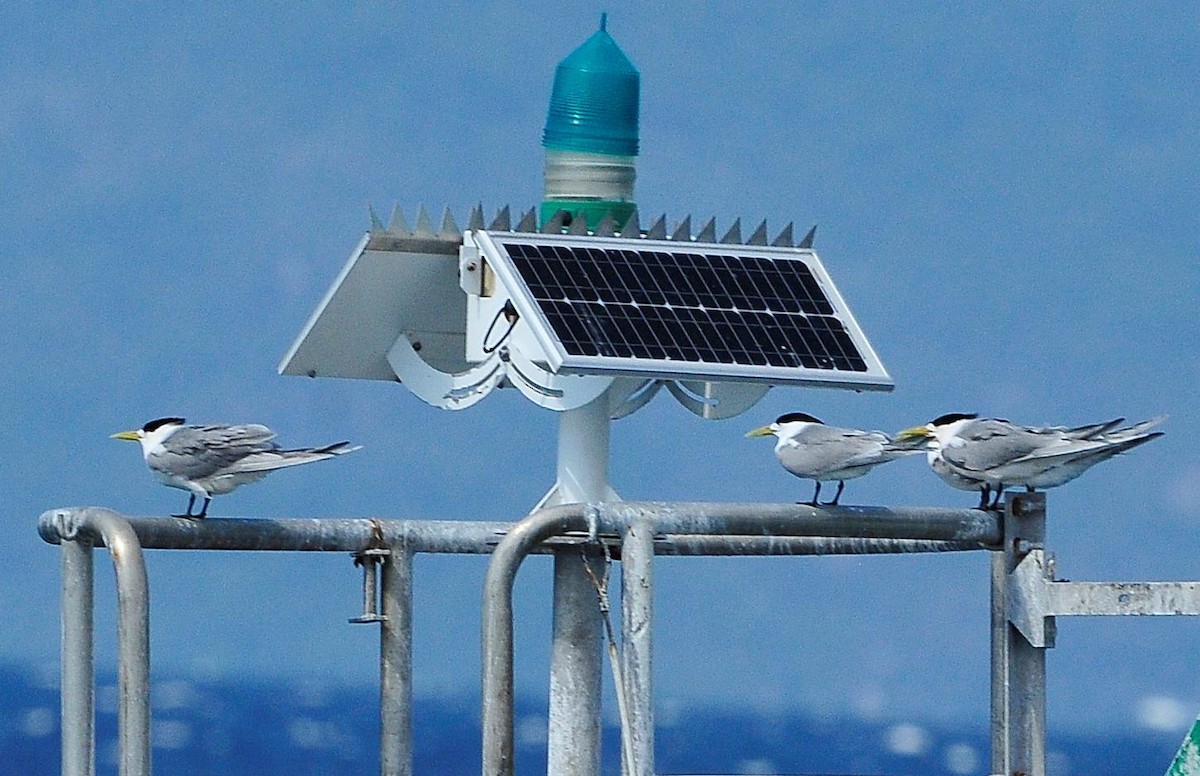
{"x":555,"y":224}
{"x":784,"y":240}
{"x":578,"y":224}
{"x":528,"y":221}
{"x":658,"y":231}
{"x":734,"y":235}
{"x":807,"y":242}
{"x":449,"y":229}
{"x":633,"y":229}
{"x":396,"y":224}
{"x":502,"y":222}
{"x":607,"y":225}
{"x":476,"y":221}
{"x":709,"y":233}
{"x":376,"y":224}
{"x":424,"y":224}
{"x":760,"y":235}
{"x":684,"y":230}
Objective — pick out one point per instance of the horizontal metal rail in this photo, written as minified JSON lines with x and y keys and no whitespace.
{"x":680,"y":529}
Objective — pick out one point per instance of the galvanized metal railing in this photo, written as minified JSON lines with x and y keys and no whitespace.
{"x":637,"y":530}
{"x":1025,"y":601}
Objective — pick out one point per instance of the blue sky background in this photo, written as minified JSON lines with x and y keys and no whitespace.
{"x":1007,"y":196}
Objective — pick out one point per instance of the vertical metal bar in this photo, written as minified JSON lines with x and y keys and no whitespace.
{"x":497,"y":631}
{"x":1025,"y":529}
{"x":133,"y":641}
{"x":395,"y":664}
{"x":999,"y":642}
{"x":637,"y":588}
{"x":78,"y":662}
{"x":574,"y":721}
{"x":575,"y":659}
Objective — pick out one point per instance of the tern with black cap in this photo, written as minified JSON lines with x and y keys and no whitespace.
{"x":988,"y":454}
{"x":814,"y":451}
{"x":212,"y":460}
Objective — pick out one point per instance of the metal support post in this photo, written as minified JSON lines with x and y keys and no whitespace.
{"x":575,"y":668}
{"x":637,"y":606}
{"x":78,"y":661}
{"x":575,"y":660}
{"x":395,"y":664}
{"x":999,"y":640}
{"x":1024,"y":530}
{"x":133,"y":645}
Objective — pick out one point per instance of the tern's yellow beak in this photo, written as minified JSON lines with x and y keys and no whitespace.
{"x":760,"y":431}
{"x":914,"y":433}
{"x":131,"y":436}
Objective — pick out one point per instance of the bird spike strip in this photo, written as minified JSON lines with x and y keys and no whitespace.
{"x":562,"y":223}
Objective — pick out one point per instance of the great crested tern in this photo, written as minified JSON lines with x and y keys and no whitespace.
{"x":814,"y":451}
{"x":988,"y":454}
{"x":212,"y":460}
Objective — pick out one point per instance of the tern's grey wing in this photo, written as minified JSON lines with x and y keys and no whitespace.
{"x":196,"y":452}
{"x":824,"y":450}
{"x":987,"y":444}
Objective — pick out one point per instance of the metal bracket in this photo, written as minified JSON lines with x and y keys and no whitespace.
{"x":370,"y":559}
{"x":1036,"y":598}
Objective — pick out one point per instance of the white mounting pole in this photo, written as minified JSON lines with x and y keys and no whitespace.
{"x":575,"y":660}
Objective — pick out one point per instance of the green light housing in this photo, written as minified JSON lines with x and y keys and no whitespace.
{"x":591,"y":132}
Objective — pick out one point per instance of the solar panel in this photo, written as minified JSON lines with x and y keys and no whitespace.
{"x":649,"y":307}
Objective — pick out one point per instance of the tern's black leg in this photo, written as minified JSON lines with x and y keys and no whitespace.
{"x":996,"y":498}
{"x":203,"y":509}
{"x":816,"y":493}
{"x":984,"y":495}
{"x":191,"y":502}
{"x":838,"y":495}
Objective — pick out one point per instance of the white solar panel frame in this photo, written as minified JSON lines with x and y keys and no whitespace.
{"x":557,"y":359}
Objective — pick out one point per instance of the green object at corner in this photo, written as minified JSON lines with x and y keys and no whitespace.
{"x":1187,"y":761}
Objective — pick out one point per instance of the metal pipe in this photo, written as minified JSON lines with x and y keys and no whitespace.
{"x":302,"y":534}
{"x":637,"y":610}
{"x":573,"y":719}
{"x":681,"y":528}
{"x":573,"y":733}
{"x":105,"y":527}
{"x":78,"y":660}
{"x":1024,"y":529}
{"x":999,"y":667}
{"x":133,"y":643}
{"x":801,"y":545}
{"x":395,"y":664}
{"x":497,"y":626}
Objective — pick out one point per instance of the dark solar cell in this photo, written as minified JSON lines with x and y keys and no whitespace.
{"x":685,"y":306}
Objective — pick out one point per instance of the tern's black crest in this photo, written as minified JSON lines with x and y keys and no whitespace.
{"x":797,"y":417}
{"x":953,"y":417}
{"x":160,"y":422}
